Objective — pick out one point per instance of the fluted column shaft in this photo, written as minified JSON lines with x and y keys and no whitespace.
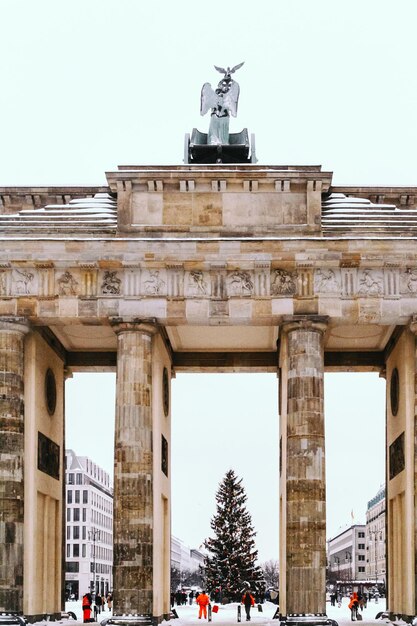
{"x":305,"y":498}
{"x":133,"y":471}
{"x":12,"y":333}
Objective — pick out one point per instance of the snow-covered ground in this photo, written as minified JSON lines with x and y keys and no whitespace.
{"x":227,"y":614}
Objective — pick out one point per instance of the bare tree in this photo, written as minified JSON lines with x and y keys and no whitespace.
{"x":271,"y":573}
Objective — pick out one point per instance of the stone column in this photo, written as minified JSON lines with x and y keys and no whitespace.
{"x":303,"y":493}
{"x":133,"y":470}
{"x":12,"y":333}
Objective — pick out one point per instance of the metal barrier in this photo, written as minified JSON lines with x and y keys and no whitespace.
{"x":239,"y":613}
{"x":7,"y":619}
{"x":209,"y":613}
{"x":128,"y":620}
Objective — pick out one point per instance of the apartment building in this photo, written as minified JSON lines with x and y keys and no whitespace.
{"x":89,"y":527}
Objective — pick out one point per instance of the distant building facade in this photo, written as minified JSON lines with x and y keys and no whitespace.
{"x":376,"y":538}
{"x":89,"y":527}
{"x":184,"y":558}
{"x":346,"y":555}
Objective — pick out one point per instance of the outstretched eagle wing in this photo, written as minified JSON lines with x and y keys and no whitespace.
{"x":231,"y":98}
{"x":220,"y":69}
{"x":208,"y":99}
{"x":237,"y":67}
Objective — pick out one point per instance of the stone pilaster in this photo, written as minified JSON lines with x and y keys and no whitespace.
{"x":133,"y":470}
{"x":303,"y":493}
{"x":12,"y":333}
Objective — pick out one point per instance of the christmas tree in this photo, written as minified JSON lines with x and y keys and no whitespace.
{"x":231,"y":564}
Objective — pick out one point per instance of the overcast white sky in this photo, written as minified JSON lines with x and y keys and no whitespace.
{"x":90,"y":84}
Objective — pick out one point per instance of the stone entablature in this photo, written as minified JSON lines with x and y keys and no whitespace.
{"x":219,"y":200}
{"x":13,"y":199}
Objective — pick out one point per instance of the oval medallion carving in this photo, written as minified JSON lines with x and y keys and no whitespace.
{"x":50,"y":391}
{"x":165,"y":391}
{"x":395,"y":391}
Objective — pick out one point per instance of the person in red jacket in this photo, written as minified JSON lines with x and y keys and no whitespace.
{"x":248,"y":600}
{"x":202,"y":601}
{"x":86,"y":604}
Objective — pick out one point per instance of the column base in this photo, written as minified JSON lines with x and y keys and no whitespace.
{"x":306,"y":619}
{"x":131,"y":620}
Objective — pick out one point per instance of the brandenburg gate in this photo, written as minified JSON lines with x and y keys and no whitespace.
{"x":204,"y":267}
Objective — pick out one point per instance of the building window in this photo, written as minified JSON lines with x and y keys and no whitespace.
{"x":70,"y":479}
{"x":361,"y":535}
{"x":69,"y":496}
{"x":68,"y":550}
{"x":361,"y":546}
{"x":68,"y":532}
{"x":84,"y":532}
{"x":75,"y":532}
{"x":361,"y":569}
{"x":77,"y":496}
{"x":361,"y":557}
{"x":73,"y":567}
{"x":76,"y":549}
{"x":68,"y":515}
{"x":79,"y":479}
{"x":84,"y":550}
{"x":84,"y":515}
{"x":76,"y":515}
{"x":85,"y":496}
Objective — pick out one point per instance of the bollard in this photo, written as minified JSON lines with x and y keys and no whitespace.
{"x":239,"y":616}
{"x":209,"y":613}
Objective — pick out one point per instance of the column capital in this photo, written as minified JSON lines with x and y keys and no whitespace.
{"x":122,"y":325}
{"x":14,"y":323}
{"x":304,"y":322}
{"x":413,"y":324}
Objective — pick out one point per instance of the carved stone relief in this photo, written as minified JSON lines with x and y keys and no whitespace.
{"x":67,"y":284}
{"x":239,"y":283}
{"x":283,"y":283}
{"x":197,"y":283}
{"x":327,"y":281}
{"x":370,"y":283}
{"x":408,"y":281}
{"x":111,"y":284}
{"x":23,"y":282}
{"x":154,"y":282}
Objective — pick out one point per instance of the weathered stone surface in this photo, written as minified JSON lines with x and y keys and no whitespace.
{"x":133,"y":483}
{"x":12,"y":331}
{"x":305,"y":499}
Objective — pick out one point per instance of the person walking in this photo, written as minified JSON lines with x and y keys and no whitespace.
{"x":109,"y":601}
{"x":248,"y":601}
{"x":86,"y":606}
{"x":203,"y":601}
{"x":98,"y":603}
{"x":353,"y":606}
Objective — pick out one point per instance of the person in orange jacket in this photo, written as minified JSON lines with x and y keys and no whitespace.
{"x":203,"y":601}
{"x":249,"y":601}
{"x":354,"y":606}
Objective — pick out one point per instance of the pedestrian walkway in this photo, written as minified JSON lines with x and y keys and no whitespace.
{"x":227,"y":615}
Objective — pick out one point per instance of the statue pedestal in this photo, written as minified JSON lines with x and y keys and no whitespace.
{"x":238,"y":150}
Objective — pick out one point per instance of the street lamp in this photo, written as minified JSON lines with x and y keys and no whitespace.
{"x":348,"y":558}
{"x":94,"y":535}
{"x":374,"y":534}
{"x":337,"y":560}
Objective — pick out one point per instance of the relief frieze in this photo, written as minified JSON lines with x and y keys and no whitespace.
{"x":239,"y":283}
{"x":283,"y":283}
{"x":23,"y":282}
{"x":154,"y":283}
{"x":327,"y":281}
{"x":197,"y":283}
{"x":111,"y":284}
{"x":216,"y":282}
{"x":370,"y":283}
{"x":67,"y":284}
